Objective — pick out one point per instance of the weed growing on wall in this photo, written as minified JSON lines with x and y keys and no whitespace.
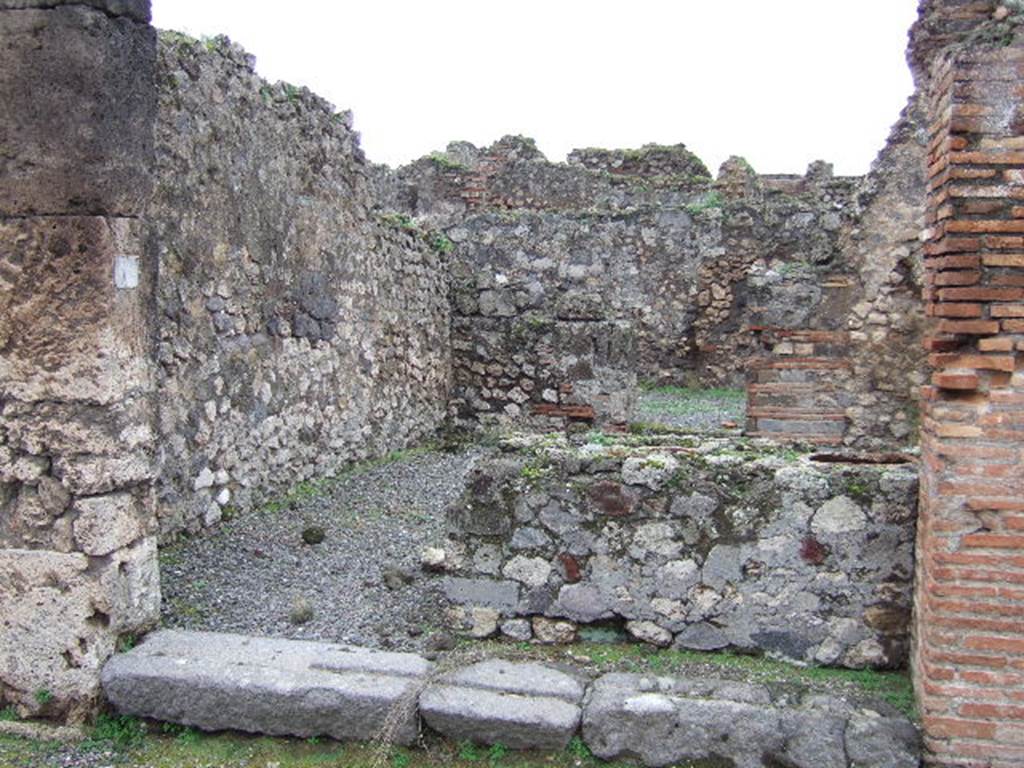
{"x":711,"y":200}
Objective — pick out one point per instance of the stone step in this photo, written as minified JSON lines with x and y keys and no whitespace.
{"x":522,"y":706}
{"x":296,"y":688}
{"x":216,"y":681}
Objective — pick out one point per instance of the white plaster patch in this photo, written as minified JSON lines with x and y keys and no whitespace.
{"x":126,"y":271}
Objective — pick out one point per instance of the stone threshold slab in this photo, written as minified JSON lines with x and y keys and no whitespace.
{"x":522,"y":706}
{"x":299,"y":688}
{"x":217,"y":681}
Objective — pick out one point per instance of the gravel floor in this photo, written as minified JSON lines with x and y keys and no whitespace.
{"x":694,"y":410}
{"x":363,"y":583}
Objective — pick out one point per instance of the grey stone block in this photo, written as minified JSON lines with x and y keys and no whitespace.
{"x":702,"y":637}
{"x":882,"y":742}
{"x":502,"y":595}
{"x":278,"y":687}
{"x":657,"y":721}
{"x":523,"y":706}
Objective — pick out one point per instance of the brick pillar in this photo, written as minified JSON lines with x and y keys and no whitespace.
{"x":969,"y":625}
{"x":77,"y":551}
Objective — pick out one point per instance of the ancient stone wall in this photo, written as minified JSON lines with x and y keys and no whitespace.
{"x":643,"y":245}
{"x":297,"y":330}
{"x":969,"y":646}
{"x":77,"y":526}
{"x":729,"y":544}
{"x":850,"y":372}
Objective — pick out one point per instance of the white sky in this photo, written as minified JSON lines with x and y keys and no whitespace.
{"x":781,"y":82}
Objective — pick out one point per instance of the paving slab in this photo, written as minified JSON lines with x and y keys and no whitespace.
{"x":519,"y":705}
{"x":216,"y":681}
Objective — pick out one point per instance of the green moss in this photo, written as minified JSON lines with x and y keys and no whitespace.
{"x":858,"y":489}
{"x":743,"y":163}
{"x":597,"y":437}
{"x":186,"y":609}
{"x":652,"y":428}
{"x":535,"y":471}
{"x":26,"y":753}
{"x":796,"y":268}
{"x":169,"y":556}
{"x":445,"y":161}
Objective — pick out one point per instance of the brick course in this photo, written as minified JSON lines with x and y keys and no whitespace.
{"x":798,"y":397}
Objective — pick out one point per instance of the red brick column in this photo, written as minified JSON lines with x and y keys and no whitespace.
{"x":969,"y":625}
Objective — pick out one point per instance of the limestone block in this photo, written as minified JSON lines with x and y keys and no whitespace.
{"x":87,"y":475}
{"x":475,"y":621}
{"x":523,"y":706}
{"x":278,"y":687}
{"x":66,"y":332}
{"x":886,"y":742}
{"x":839,"y":515}
{"x":54,"y":631}
{"x":63,"y":429}
{"x":651,"y":471}
{"x":583,"y":602}
{"x":553,"y":631}
{"x":30,"y":516}
{"x":649,"y":632}
{"x":106,"y":523}
{"x":531,"y":571}
{"x":79,"y":102}
{"x":131,"y":583}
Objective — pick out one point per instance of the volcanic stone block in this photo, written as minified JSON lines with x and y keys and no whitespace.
{"x":217,"y":681}
{"x":523,"y":706}
{"x":76,"y":131}
{"x":663,"y":721}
